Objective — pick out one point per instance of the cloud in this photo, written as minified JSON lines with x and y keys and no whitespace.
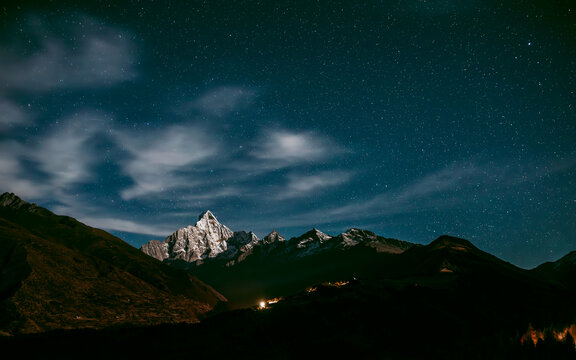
{"x":304,"y":185}
{"x":66,"y":153}
{"x":223,"y":100}
{"x":165,"y":160}
{"x":64,"y":156}
{"x":280,"y":148}
{"x":116,"y":224}
{"x":102,"y":56}
{"x":432,"y":191}
{"x":13,"y":176}
{"x":12,"y":115}
{"x":448,"y":179}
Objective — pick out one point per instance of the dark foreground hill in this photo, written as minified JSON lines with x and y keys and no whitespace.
{"x":57,"y":273}
{"x":562,"y":271}
{"x":441,"y":316}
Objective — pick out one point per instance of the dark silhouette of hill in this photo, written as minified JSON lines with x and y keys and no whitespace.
{"x":434,"y":317}
{"x":562,"y":271}
{"x":57,"y":273}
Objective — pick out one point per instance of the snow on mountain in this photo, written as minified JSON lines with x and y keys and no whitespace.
{"x":354,"y":237}
{"x":207,"y":239}
{"x":210,"y":240}
{"x":240,"y":245}
{"x":308,"y":243}
{"x":273,"y":237}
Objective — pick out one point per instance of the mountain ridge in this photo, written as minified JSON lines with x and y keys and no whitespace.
{"x":57,"y":273}
{"x":209,"y":240}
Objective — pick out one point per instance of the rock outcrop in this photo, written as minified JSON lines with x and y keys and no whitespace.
{"x":207,"y":239}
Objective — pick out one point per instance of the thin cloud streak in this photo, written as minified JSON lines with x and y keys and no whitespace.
{"x":103,"y":57}
{"x":166,"y":160}
{"x":304,"y":185}
{"x":116,"y":224}
{"x":429,"y":192}
{"x":66,"y":153}
{"x":435,"y":191}
{"x":223,"y":100}
{"x":12,"y":116}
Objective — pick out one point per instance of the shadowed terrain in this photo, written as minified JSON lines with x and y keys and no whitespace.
{"x":58,"y":273}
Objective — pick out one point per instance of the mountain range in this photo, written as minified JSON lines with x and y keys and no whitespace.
{"x":354,"y":294}
{"x":245,"y":268}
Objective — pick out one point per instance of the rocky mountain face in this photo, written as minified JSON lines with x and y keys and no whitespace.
{"x":57,"y":273}
{"x":10,"y":200}
{"x":208,"y":240}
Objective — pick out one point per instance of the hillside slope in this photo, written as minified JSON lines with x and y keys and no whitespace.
{"x":57,"y":273}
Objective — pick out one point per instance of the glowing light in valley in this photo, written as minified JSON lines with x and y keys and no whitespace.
{"x":536,"y":335}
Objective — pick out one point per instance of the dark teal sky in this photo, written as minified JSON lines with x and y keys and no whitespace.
{"x":408,"y":118}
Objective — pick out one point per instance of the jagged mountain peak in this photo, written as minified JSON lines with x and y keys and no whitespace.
{"x":207,"y":239}
{"x":207,"y":215}
{"x":11,"y":200}
{"x":358,"y":232}
{"x":315,"y":233}
{"x":206,"y":220}
{"x":273,"y":237}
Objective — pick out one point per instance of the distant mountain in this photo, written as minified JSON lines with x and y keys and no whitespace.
{"x":57,"y":273}
{"x":206,"y":240}
{"x":210,"y":241}
{"x":245,"y":268}
{"x":562,"y":271}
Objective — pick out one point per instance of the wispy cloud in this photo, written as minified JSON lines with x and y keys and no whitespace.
{"x":116,"y":224}
{"x":280,"y":148}
{"x":431,"y":191}
{"x":66,"y":153}
{"x":65,"y":156}
{"x":101,"y":56}
{"x":300,"y":185}
{"x":223,"y":100}
{"x":14,"y":176}
{"x":12,"y":115}
{"x":165,"y":160}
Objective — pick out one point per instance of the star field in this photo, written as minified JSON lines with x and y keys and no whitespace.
{"x":411,"y":119}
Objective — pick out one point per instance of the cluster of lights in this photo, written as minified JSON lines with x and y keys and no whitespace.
{"x":264,"y":303}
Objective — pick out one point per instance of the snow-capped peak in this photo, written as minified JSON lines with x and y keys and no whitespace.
{"x":273,"y":237}
{"x":323,"y":237}
{"x":207,"y":221}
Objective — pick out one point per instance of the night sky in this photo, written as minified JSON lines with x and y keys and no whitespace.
{"x":409,"y":118}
